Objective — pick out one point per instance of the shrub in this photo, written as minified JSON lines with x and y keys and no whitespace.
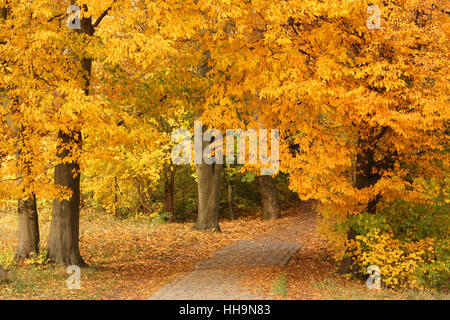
{"x":408,"y":241}
{"x":398,"y":260}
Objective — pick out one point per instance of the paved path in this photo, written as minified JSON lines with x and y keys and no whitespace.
{"x":212,"y":281}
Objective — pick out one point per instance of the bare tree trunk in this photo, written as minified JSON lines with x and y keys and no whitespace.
{"x":269,"y":196}
{"x":63,"y":243}
{"x":169,"y":190}
{"x":28,"y":228}
{"x":209,"y":177}
{"x":116,"y":199}
{"x":230,"y":200}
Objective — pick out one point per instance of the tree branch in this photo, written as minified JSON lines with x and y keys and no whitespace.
{"x":381,"y":134}
{"x":9,"y":180}
{"x":56,"y":17}
{"x":103,"y":15}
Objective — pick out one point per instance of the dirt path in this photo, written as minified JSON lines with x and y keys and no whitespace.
{"x":242,"y":262}
{"x":220,"y":277}
{"x":312,"y":264}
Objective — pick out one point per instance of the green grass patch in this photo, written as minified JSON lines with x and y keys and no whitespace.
{"x":279,"y":287}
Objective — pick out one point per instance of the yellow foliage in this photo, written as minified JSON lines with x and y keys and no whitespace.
{"x":397,"y":260}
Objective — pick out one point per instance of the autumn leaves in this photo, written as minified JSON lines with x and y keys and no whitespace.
{"x":367,"y":107}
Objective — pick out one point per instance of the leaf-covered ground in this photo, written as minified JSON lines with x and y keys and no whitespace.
{"x":133,"y":259}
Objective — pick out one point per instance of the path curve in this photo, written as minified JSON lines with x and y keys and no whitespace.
{"x":212,"y":279}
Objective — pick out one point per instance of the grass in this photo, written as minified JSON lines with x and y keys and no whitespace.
{"x":342,"y":289}
{"x":279,"y":287}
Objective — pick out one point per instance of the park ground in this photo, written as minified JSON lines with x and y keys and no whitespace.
{"x":135,"y":258}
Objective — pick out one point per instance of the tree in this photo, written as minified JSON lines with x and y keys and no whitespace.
{"x":63,"y":241}
{"x":367,"y":107}
{"x":208,"y":175}
{"x":26,"y":205}
{"x":51,"y":73}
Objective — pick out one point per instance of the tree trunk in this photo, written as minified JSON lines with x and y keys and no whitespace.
{"x":28,"y":228}
{"x":347,"y":261}
{"x":3,"y":12}
{"x":2,"y":275}
{"x":63,"y":243}
{"x":230,"y":200}
{"x":208,"y":176}
{"x":26,"y":206}
{"x":169,"y":187}
{"x":208,"y":196}
{"x":63,"y":247}
{"x":116,"y":198}
{"x":269,"y":197}
{"x":365,"y":178}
